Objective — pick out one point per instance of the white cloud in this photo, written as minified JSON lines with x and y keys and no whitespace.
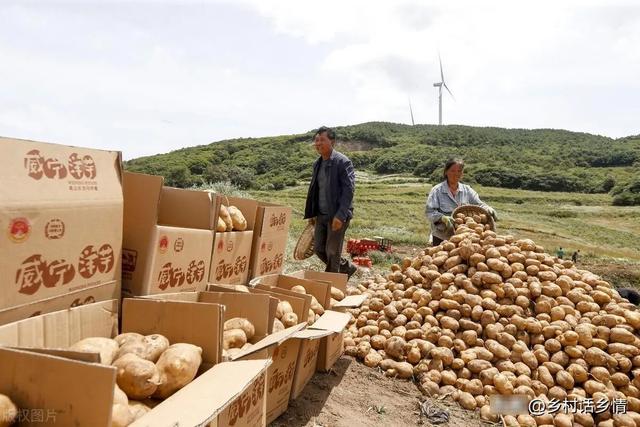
{"x":149,"y":77}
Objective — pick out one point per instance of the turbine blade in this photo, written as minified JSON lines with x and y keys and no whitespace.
{"x":447,"y":88}
{"x":441,"y":72}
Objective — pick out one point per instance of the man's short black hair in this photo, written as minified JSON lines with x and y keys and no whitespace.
{"x":331,"y":134}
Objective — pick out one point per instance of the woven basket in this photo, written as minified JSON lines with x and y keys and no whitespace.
{"x":469,"y":210}
{"x":304,"y":247}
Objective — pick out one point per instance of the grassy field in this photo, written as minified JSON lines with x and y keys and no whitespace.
{"x":393,"y":207}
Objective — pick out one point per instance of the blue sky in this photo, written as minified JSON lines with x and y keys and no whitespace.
{"x":147,"y":77}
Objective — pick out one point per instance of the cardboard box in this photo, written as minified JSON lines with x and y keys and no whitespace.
{"x":253,"y":307}
{"x":232,"y":249}
{"x":168,"y":236}
{"x":61,"y":220}
{"x":268,"y":254}
{"x":90,"y":385}
{"x":270,"y":236}
{"x":282,"y":349}
{"x":102,"y":292}
{"x":272,"y":219}
{"x":332,"y":347}
{"x":330,"y":323}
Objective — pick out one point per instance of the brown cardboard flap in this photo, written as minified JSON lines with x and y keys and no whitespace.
{"x":272,"y":219}
{"x":337,"y":280}
{"x":186,"y":209}
{"x":253,"y":307}
{"x":351,"y":301}
{"x":141,"y":198}
{"x":61,"y":329}
{"x":82,"y":356}
{"x":312,"y":334}
{"x":39,"y":173}
{"x":331,"y":321}
{"x":206,"y":396}
{"x":102,"y":292}
{"x":179,"y":321}
{"x":319,"y":289}
{"x":66,"y":392}
{"x":174,"y":296}
{"x":273,"y":339}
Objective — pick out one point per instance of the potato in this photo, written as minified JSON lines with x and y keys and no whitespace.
{"x":224,"y":214}
{"x":156,"y":345}
{"x":238,"y":221}
{"x":138,"y":409}
{"x":299,"y":289}
{"x":289,"y":319}
{"x":150,"y":347}
{"x":221,"y":225}
{"x":315,"y":306}
{"x":283,"y":308}
{"x":177,"y":366}
{"x":8,"y":411}
{"x":106,"y":347}
{"x":120,"y":413}
{"x":277,"y":326}
{"x":241,"y":323}
{"x":137,"y":377}
{"x":233,"y":338}
{"x":126,"y":337}
{"x":337,"y":294}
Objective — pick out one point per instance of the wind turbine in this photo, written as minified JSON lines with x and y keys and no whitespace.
{"x":411,"y":111}
{"x":439,"y":85}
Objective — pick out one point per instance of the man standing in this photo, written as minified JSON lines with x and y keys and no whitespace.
{"x":330,"y":201}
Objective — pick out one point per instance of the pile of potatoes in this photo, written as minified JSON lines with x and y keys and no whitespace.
{"x":8,"y":411}
{"x":148,"y":367}
{"x":237,"y":336}
{"x":484,"y":314}
{"x":231,"y":219}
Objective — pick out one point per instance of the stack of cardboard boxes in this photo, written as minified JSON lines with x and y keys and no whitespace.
{"x":71,"y":216}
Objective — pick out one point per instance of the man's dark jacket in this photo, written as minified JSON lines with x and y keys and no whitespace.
{"x":340,"y":188}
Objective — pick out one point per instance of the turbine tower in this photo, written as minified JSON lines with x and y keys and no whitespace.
{"x":439,"y":85}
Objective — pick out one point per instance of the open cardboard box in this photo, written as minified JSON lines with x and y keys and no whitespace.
{"x":332,"y":347}
{"x":231,"y":252}
{"x":102,"y":292}
{"x":270,"y":235}
{"x":61,"y":219}
{"x":330,"y":323}
{"x":168,"y":236}
{"x":73,"y":391}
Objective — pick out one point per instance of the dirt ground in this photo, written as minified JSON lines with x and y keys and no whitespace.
{"x":353,"y":395}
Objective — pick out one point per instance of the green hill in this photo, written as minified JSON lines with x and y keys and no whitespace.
{"x":540,"y":159}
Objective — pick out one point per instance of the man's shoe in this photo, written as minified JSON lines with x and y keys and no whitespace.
{"x":351,"y":271}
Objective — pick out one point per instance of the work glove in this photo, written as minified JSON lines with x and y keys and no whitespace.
{"x":447,"y":221}
{"x":493,"y":213}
